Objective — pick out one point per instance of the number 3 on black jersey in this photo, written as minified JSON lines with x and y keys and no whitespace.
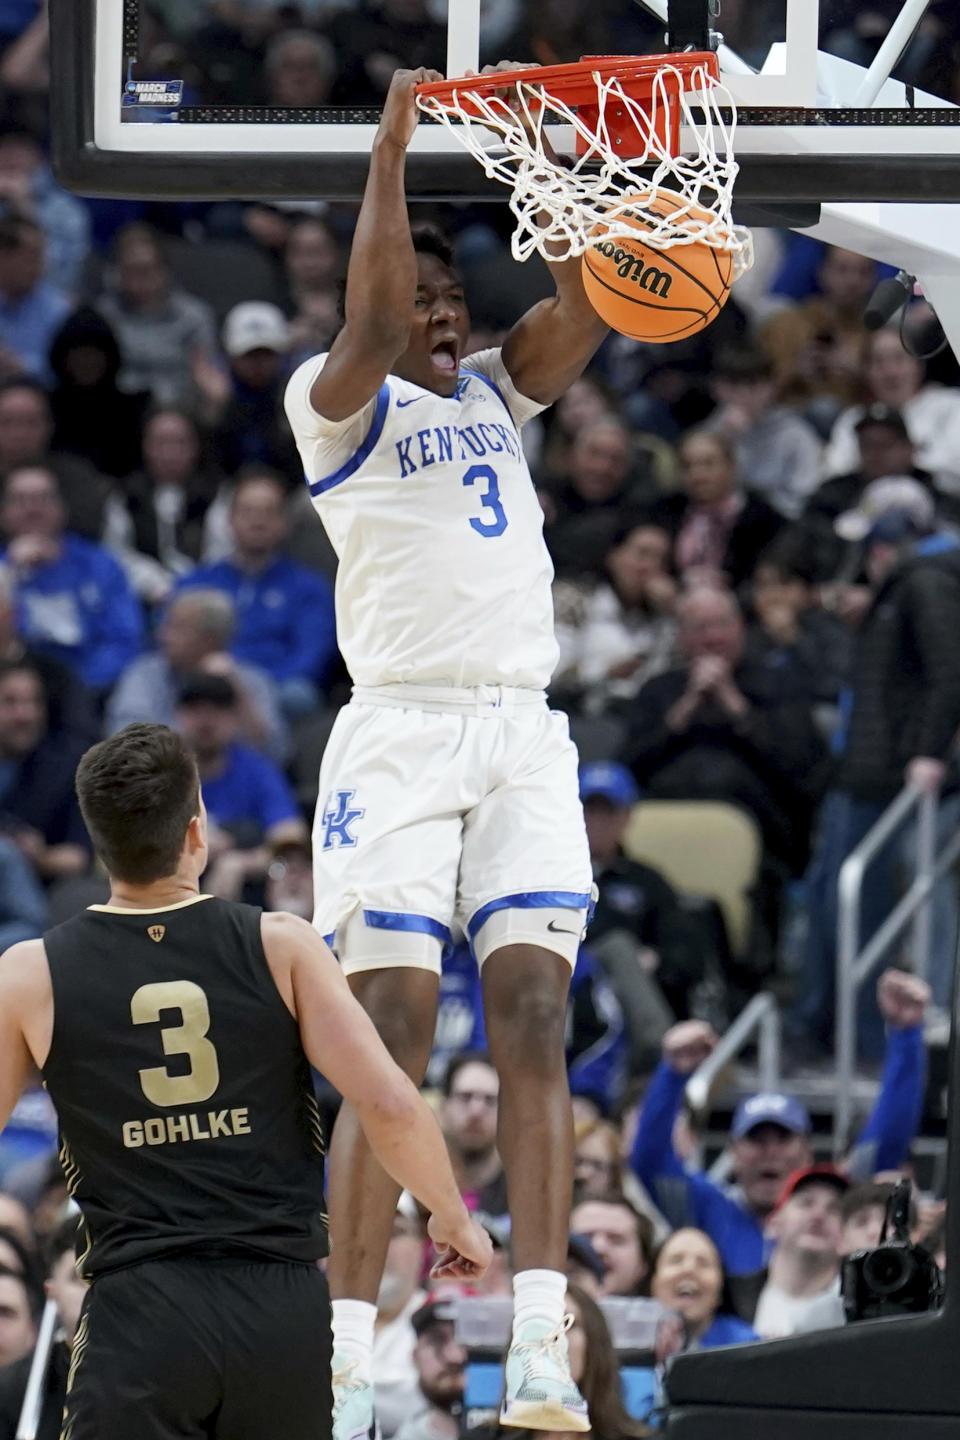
{"x":187,"y":1038}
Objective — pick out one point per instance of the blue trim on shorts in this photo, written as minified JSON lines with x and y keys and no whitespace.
{"x":397,"y":920}
{"x":320,"y":487}
{"x":329,"y":939}
{"x":528,"y":900}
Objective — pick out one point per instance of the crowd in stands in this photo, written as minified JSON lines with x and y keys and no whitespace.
{"x":757,"y":596}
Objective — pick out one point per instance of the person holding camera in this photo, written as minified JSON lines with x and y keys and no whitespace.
{"x":770,"y":1132}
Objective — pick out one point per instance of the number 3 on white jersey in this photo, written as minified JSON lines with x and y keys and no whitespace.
{"x":490,"y":500}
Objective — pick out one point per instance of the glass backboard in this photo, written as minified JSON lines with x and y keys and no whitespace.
{"x":167,"y":99}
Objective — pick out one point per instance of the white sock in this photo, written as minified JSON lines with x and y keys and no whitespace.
{"x":353,"y":1322}
{"x":539,"y":1295}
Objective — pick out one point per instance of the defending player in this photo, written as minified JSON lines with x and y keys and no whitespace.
{"x":448,"y":791}
{"x":173,"y":1031}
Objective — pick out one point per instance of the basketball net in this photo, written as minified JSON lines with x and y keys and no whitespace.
{"x":562,"y":207}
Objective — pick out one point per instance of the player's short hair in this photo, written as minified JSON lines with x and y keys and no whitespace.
{"x":430,"y":240}
{"x":138,"y":792}
{"x":427,"y":240}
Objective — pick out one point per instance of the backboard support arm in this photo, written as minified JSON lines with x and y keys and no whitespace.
{"x":898,"y":37}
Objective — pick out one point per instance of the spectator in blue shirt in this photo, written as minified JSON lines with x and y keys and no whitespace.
{"x":285,"y":621}
{"x":31,"y":309}
{"x":251,"y":808}
{"x":770,"y":1132}
{"x":74,"y":602}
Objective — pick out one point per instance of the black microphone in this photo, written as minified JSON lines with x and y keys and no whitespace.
{"x":890,"y":296}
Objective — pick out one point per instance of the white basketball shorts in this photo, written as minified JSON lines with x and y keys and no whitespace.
{"x":444,"y":811}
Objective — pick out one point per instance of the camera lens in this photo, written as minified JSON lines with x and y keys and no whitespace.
{"x":887,"y":1270}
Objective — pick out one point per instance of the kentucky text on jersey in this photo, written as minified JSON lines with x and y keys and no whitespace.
{"x":170,"y":1129}
{"x":439,"y":443}
{"x":429,"y":504}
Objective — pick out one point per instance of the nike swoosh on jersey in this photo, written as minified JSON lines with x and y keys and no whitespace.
{"x":402,"y":404}
{"x":560,"y":929}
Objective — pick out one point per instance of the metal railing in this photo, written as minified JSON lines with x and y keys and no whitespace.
{"x":855,"y":962}
{"x":761,"y":1018}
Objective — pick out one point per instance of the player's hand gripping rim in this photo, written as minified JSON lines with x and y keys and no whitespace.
{"x":524,"y":107}
{"x":400,"y":115}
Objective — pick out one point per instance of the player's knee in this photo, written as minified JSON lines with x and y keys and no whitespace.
{"x":402,"y":1007}
{"x":526,"y":1006}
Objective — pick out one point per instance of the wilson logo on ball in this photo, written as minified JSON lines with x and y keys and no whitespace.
{"x":632,"y":267}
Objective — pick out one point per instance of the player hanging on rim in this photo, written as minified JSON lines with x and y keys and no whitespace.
{"x":448,"y":790}
{"x":173,"y":1031}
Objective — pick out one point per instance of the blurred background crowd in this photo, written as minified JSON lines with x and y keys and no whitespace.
{"x":757,"y":601}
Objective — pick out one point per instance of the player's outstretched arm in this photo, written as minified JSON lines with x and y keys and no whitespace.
{"x":340,"y":1041}
{"x":382,"y":275}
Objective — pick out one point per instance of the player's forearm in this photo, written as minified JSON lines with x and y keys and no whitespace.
{"x":406,"y":1139}
{"x":382,"y":277}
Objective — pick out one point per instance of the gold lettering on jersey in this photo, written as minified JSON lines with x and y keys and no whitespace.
{"x":172,"y":1129}
{"x":156,"y":932}
{"x":177,"y":1128}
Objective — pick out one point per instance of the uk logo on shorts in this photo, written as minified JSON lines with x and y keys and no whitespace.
{"x":337,"y":819}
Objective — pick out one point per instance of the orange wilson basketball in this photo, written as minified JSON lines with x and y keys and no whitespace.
{"x":657,"y":295}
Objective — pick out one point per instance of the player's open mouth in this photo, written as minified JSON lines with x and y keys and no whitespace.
{"x":444,"y":356}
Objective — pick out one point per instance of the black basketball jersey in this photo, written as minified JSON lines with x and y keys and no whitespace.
{"x":187,"y":1116}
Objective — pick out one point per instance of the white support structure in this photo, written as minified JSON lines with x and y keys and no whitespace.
{"x":463,"y":37}
{"x":897,"y":39}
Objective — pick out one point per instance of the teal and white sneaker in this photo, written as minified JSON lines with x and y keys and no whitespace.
{"x":353,"y":1417}
{"x":540,"y":1393}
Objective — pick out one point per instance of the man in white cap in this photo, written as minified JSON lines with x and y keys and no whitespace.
{"x":252,"y":428}
{"x":898,"y":721}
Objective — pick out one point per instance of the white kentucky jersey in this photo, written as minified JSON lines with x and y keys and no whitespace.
{"x":444,"y":577}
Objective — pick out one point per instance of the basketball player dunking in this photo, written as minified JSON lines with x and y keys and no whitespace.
{"x":173,"y":1031}
{"x":448,"y":790}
